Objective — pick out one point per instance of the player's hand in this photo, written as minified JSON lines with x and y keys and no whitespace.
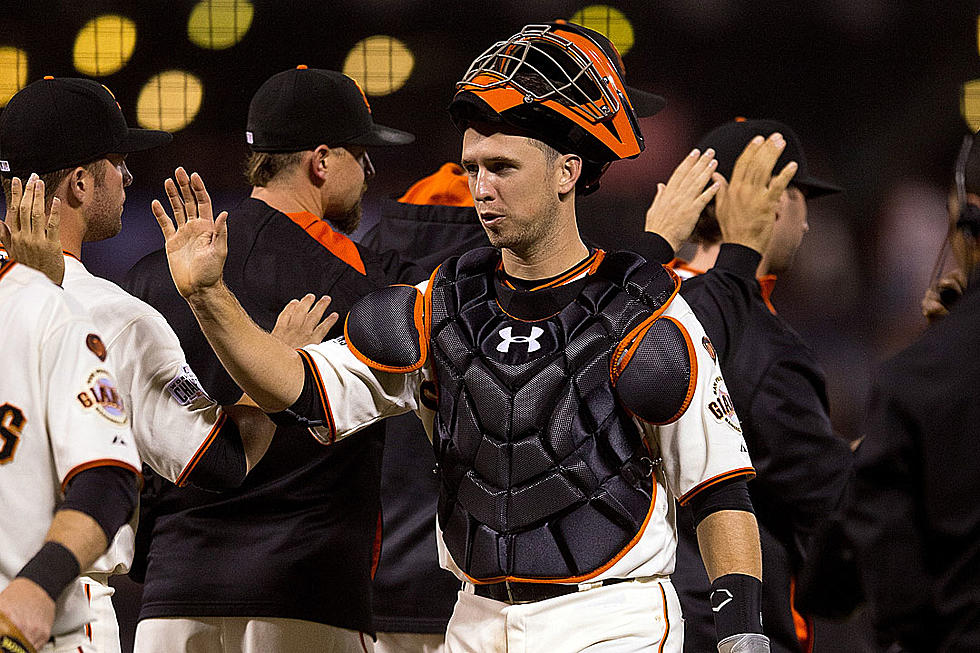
{"x":746,"y":205}
{"x":941,"y":297}
{"x":679,"y":202}
{"x":26,"y":613}
{"x":30,"y":235}
{"x":301,"y":321}
{"x":198,"y":246}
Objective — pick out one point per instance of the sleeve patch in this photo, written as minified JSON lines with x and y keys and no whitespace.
{"x":96,"y":346}
{"x":721,"y":406}
{"x":102,"y":396}
{"x":185,"y":388}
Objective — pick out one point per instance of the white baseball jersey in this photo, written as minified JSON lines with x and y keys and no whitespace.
{"x":703,"y":446}
{"x":173,"y":420}
{"x":60,"y":413}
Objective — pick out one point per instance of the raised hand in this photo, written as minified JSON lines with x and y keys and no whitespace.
{"x":198,"y":245}
{"x":746,"y":205}
{"x":941,"y":297}
{"x":679,"y":202}
{"x":299,"y":324}
{"x":29,"y":234}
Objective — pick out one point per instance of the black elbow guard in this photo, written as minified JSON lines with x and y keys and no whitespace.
{"x":732,"y":494}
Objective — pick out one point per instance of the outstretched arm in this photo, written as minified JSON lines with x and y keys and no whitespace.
{"x":268,"y":370}
{"x":679,"y":202}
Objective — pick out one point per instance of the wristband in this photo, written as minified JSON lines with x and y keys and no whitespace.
{"x":736,"y":601}
{"x":53,"y":568}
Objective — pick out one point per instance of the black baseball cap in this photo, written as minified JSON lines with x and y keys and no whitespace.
{"x":301,"y":108}
{"x":730,"y":139}
{"x":60,"y":122}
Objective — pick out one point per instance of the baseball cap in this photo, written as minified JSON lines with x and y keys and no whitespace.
{"x":60,"y":122}
{"x":301,"y":108}
{"x":730,"y":139}
{"x":448,"y":186}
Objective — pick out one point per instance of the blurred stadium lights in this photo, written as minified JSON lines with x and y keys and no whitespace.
{"x":609,"y":21}
{"x":219,"y":24}
{"x":169,"y":101}
{"x":380,"y":64}
{"x":13,"y":73}
{"x":104,"y":45}
{"x":970,"y":104}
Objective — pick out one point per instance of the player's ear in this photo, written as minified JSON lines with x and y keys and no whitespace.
{"x":80,"y":185}
{"x":319,"y":162}
{"x":569,"y":170}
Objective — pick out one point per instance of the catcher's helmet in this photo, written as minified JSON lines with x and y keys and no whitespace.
{"x":562,"y":83}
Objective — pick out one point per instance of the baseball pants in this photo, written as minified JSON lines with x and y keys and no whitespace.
{"x":410,"y":643}
{"x":246,"y":635}
{"x":103,"y":631}
{"x":640,"y":616}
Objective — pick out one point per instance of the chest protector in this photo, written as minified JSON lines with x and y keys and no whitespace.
{"x":544,"y":473}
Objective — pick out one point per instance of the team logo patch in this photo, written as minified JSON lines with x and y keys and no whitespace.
{"x":102,"y":396}
{"x":95,"y":345}
{"x":708,"y":347}
{"x":721,"y":407}
{"x":185,"y":388}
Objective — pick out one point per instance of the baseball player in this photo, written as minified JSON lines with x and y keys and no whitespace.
{"x":72,"y":133}
{"x":570,"y":394}
{"x":68,"y":463}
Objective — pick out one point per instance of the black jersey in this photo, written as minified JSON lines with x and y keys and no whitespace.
{"x":914,"y":518}
{"x":299,"y":539}
{"x":802,"y":466}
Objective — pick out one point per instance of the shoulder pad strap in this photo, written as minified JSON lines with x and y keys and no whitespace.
{"x":386,"y":329}
{"x":655,"y":370}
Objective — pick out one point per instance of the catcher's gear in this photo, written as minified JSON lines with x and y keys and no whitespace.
{"x":748,"y":643}
{"x":564,"y":84}
{"x":11,"y":639}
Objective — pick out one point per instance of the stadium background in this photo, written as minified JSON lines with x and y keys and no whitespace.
{"x":881,"y":93}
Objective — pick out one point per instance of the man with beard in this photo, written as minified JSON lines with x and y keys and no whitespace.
{"x":284,"y":563}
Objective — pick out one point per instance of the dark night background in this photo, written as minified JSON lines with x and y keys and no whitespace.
{"x":873,"y":88}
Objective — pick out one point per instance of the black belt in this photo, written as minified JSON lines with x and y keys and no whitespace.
{"x":510,"y":592}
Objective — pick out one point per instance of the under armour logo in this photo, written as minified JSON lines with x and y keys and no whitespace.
{"x":531,"y":340}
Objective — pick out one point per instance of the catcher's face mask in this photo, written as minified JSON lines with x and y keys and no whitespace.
{"x":559,"y":67}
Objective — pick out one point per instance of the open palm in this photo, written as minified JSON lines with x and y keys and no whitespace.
{"x":198,"y":245}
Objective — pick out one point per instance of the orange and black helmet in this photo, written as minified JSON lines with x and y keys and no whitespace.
{"x":563,"y":83}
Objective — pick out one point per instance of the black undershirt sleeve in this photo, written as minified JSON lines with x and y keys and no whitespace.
{"x":223,"y":465}
{"x":732,"y":494}
{"x":107,"y":494}
{"x":308,"y":410}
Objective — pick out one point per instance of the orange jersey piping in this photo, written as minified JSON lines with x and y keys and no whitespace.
{"x":196,"y":458}
{"x":337,"y":244}
{"x":321,"y":391}
{"x":748,"y":472}
{"x":101,"y":462}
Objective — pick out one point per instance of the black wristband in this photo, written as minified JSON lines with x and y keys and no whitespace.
{"x":736,"y":600}
{"x":53,"y":568}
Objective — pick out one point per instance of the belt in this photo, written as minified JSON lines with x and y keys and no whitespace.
{"x":511,"y":592}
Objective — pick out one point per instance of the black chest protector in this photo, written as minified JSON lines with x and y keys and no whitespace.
{"x":544,"y":473}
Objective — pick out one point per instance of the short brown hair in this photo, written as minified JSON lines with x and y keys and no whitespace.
{"x":706,"y":231}
{"x":262,"y":167}
{"x":53,"y":179}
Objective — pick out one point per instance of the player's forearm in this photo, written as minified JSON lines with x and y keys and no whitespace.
{"x":79,"y":533}
{"x":269,"y":371}
{"x":729,"y":542}
{"x":255,"y":428}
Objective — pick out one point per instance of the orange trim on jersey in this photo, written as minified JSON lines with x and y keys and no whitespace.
{"x":337,"y":244}
{"x":767,"y":284}
{"x":419,"y":319}
{"x":592,"y":574}
{"x":748,"y":472}
{"x":6,"y":266}
{"x":196,"y":458}
{"x":588,"y":266}
{"x":322,"y":392}
{"x":376,"y":548}
{"x":663,"y":640}
{"x":101,"y":462}
{"x":681,"y":264}
{"x":803,"y":624}
{"x":70,"y":255}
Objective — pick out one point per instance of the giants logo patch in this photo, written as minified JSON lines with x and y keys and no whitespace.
{"x":102,"y":396}
{"x":721,"y":407}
